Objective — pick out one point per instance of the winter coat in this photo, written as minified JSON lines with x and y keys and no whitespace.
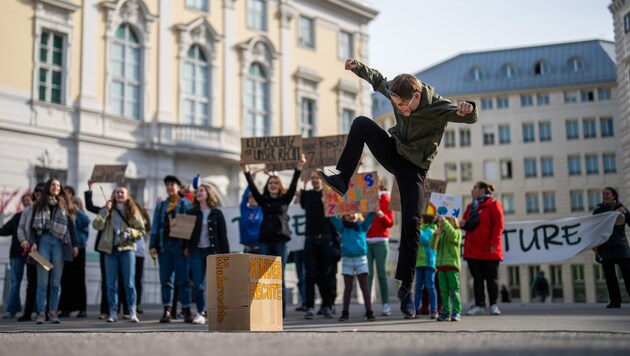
{"x":489,"y":232}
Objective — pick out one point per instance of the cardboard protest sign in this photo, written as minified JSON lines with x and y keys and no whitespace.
{"x":273,"y":149}
{"x":184,"y":227}
{"x":109,"y":173}
{"x":430,"y":185}
{"x":321,"y":151}
{"x":362,"y":196}
{"x":280,"y":166}
{"x":41,"y":260}
{"x":445,"y":205}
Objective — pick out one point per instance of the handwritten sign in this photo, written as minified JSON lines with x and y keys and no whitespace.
{"x":280,"y":166}
{"x":109,"y":173}
{"x":430,"y":185}
{"x":321,"y":151}
{"x":184,"y":227}
{"x":271,"y":149}
{"x":445,"y":205}
{"x":362,"y":196}
{"x":41,"y":260}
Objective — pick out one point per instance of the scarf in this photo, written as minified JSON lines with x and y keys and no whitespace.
{"x":476,"y":202}
{"x":56,"y":222}
{"x":172,"y":203}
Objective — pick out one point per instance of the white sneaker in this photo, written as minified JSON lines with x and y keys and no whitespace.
{"x":494,"y":310}
{"x":199,"y":319}
{"x":476,"y":310}
{"x":112,"y":318}
{"x":386,"y":310}
{"x":133,"y":317}
{"x":41,"y":317}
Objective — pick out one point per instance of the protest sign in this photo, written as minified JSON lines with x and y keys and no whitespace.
{"x":445,"y":205}
{"x":109,"y":173}
{"x":321,"y":152}
{"x":41,"y":260}
{"x":184,"y":226}
{"x":272,"y":149}
{"x":430,"y":185}
{"x":362,"y":196}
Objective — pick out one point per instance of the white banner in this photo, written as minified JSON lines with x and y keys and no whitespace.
{"x":547,"y":241}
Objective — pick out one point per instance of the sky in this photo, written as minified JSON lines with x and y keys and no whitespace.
{"x":412,"y":35}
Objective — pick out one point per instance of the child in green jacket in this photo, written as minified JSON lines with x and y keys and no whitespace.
{"x":448,"y":244}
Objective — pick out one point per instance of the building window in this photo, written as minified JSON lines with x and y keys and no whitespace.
{"x":504,"y":134}
{"x":593,"y":197}
{"x":527,"y":100}
{"x":476,"y":74}
{"x":546,"y":166}
{"x":306,"y":32}
{"x":450,"y":170}
{"x":347,"y":116}
{"x":555,"y":281}
{"x":486,"y":104}
{"x":503,"y":102}
{"x":136,"y":189}
{"x":256,"y":102}
{"x":196,"y":81}
{"x":588,"y":126}
{"x":604,"y":94}
{"x":507,"y":201}
{"x":490,"y":170}
{"x":464,"y":137}
{"x":51,"y":58}
{"x":43,"y":174}
{"x":542,"y":68}
{"x":508,"y":71}
{"x":577,"y":200}
{"x":610,"y":163}
{"x":528,"y":132}
{"x":544,"y":130}
{"x":542,"y":99}
{"x":575,"y":65}
{"x":488,"y":135}
{"x":570,"y":97}
{"x":626,"y":23}
{"x":506,"y":168}
{"x":466,"y":171}
{"x":201,"y":5}
{"x":531,"y":202}
{"x":575,"y":165}
{"x":587,"y":96}
{"x":549,"y":202}
{"x":257,"y":14}
{"x":307,"y":117}
{"x":601,"y":292}
{"x":592,"y":166}
{"x":449,"y":138}
{"x":346,"y":45}
{"x":126,"y":77}
{"x":579,"y":288}
{"x":573,"y":129}
{"x":530,"y":167}
{"x":606,"y":126}
{"x":514,"y":282}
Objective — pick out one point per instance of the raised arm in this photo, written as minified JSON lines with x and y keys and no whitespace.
{"x":372,"y":76}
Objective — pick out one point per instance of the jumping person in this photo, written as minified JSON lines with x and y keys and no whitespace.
{"x":421,"y":117}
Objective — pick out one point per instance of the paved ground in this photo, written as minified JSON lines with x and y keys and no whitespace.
{"x":575,"y":329}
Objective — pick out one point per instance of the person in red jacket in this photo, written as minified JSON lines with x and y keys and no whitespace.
{"x":378,"y":247}
{"x":483,"y":247}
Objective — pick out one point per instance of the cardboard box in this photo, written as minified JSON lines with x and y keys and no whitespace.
{"x":244,"y":292}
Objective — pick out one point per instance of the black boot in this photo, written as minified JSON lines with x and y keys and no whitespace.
{"x":166,"y":317}
{"x":187,"y":315}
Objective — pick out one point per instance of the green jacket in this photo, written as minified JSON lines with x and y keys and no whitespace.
{"x":103,"y":223}
{"x":419,"y":135}
{"x":426,"y":250}
{"x":449,"y":246}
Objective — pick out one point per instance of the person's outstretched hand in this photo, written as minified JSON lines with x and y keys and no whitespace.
{"x":350,"y":64}
{"x":301,"y":162}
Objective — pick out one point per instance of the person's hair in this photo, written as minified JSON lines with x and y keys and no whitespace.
{"x":381,"y":184}
{"x":614,"y":193}
{"x":131,"y":207}
{"x":26,"y":195}
{"x":280,"y":185}
{"x":454,"y":223}
{"x":428,"y":218}
{"x":488,"y":187}
{"x":63,"y":200}
{"x":211,"y":200}
{"x":405,"y":85}
{"x":70,"y":189}
{"x":78,"y":202}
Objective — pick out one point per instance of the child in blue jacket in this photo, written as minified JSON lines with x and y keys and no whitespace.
{"x":425,"y":265}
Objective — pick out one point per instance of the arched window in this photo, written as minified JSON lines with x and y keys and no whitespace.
{"x":508,"y":71}
{"x":542,"y":68}
{"x":196,"y":83}
{"x":476,"y":74}
{"x":126,"y":62}
{"x":575,"y":65}
{"x":256,"y":101}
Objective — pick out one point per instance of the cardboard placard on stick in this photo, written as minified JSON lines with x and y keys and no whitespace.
{"x":321,"y":151}
{"x":184,"y":227}
{"x":41,"y":260}
{"x":362,"y":196}
{"x":109,"y":173}
{"x":430,"y":185}
{"x":271,"y":149}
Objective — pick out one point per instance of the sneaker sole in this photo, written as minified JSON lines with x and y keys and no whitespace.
{"x":322,"y":176}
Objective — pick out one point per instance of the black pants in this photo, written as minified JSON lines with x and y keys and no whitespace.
{"x":488,"y":271}
{"x":410,"y":180}
{"x":320,"y":269}
{"x":73,"y":290}
{"x":138,"y":278}
{"x":612,"y":284}
{"x":31,"y":288}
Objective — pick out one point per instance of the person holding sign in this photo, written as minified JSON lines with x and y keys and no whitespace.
{"x":209,"y":236}
{"x":121,"y":224}
{"x":274,"y":202}
{"x":421,"y":117}
{"x":170,"y":250}
{"x":483,"y":245}
{"x":54,"y":235}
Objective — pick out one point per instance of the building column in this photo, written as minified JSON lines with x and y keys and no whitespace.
{"x":89,"y":44}
{"x":287,"y":119}
{"x":165,"y":55}
{"x":231,"y":118}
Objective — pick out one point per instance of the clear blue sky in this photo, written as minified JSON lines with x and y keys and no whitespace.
{"x":411,"y":35}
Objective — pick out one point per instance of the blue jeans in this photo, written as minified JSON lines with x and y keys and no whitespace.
{"x":300,"y":270}
{"x":125,"y":261}
{"x":278,"y":248}
{"x":198,"y":268}
{"x":174,"y":266}
{"x":17,"y":272}
{"x":52,"y":250}
{"x":425,"y":277}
